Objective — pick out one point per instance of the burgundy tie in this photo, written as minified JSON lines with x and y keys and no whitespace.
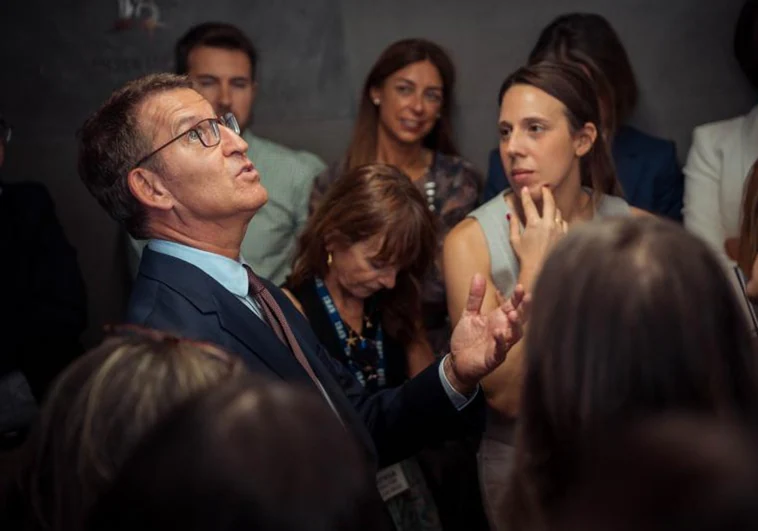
{"x":276,"y":320}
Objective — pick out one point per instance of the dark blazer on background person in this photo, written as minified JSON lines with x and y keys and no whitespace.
{"x":173,"y":295}
{"x":43,"y":302}
{"x":647,"y":168}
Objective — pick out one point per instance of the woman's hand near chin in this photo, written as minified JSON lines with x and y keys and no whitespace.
{"x":540,"y":234}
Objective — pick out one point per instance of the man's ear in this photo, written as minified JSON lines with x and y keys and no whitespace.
{"x":584,"y":139}
{"x":148,"y":188}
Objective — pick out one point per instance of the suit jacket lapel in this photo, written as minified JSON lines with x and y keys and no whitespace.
{"x":208,"y":296}
{"x":330,"y":380}
{"x":261,"y":342}
{"x":236,"y":319}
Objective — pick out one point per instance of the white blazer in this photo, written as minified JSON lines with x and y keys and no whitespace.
{"x":718,"y":163}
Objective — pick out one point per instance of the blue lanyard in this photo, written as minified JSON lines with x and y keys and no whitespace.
{"x":339,"y":327}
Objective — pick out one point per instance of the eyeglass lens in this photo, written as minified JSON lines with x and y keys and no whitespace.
{"x":231,"y":122}
{"x":209,"y":131}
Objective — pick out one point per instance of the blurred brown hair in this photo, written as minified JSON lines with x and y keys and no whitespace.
{"x":247,"y":455}
{"x":668,"y":473}
{"x":654,"y":326}
{"x":589,"y":39}
{"x":99,"y":408}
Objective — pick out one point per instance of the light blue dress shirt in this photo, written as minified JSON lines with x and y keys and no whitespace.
{"x":231,"y":274}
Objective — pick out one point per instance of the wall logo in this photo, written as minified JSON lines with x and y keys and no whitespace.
{"x":143,"y":14}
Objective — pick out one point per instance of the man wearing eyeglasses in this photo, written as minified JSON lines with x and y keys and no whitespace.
{"x":159,"y":161}
{"x":221,"y":62}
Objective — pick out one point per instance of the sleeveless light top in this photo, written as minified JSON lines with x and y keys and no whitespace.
{"x":504,"y":265}
{"x":497,"y":454}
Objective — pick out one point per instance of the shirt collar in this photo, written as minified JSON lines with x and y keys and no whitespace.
{"x":229,"y":273}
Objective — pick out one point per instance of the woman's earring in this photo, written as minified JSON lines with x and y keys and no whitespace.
{"x":376,"y":102}
{"x":329,"y":258}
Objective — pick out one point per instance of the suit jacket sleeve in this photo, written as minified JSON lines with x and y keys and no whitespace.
{"x":399,"y":421}
{"x":702,"y":212}
{"x":404,"y":419}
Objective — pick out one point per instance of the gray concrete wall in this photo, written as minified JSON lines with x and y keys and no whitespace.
{"x":61,"y":60}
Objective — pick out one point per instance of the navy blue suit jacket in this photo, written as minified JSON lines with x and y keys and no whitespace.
{"x":172,"y":295}
{"x":647,"y":168}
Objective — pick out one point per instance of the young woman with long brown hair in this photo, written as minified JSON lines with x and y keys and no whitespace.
{"x":560,"y":174}
{"x":404,"y":119}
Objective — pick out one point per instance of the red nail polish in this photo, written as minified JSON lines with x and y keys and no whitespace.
{"x":508,"y":217}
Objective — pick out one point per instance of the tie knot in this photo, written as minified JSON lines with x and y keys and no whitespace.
{"x":256,"y":286}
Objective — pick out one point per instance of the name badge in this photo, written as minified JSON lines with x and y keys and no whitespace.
{"x":391,"y":481}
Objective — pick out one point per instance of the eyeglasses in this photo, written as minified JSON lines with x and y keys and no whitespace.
{"x":208,"y":131}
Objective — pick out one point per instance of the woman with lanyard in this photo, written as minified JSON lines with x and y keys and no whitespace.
{"x":404,"y":119}
{"x":357,"y":278}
